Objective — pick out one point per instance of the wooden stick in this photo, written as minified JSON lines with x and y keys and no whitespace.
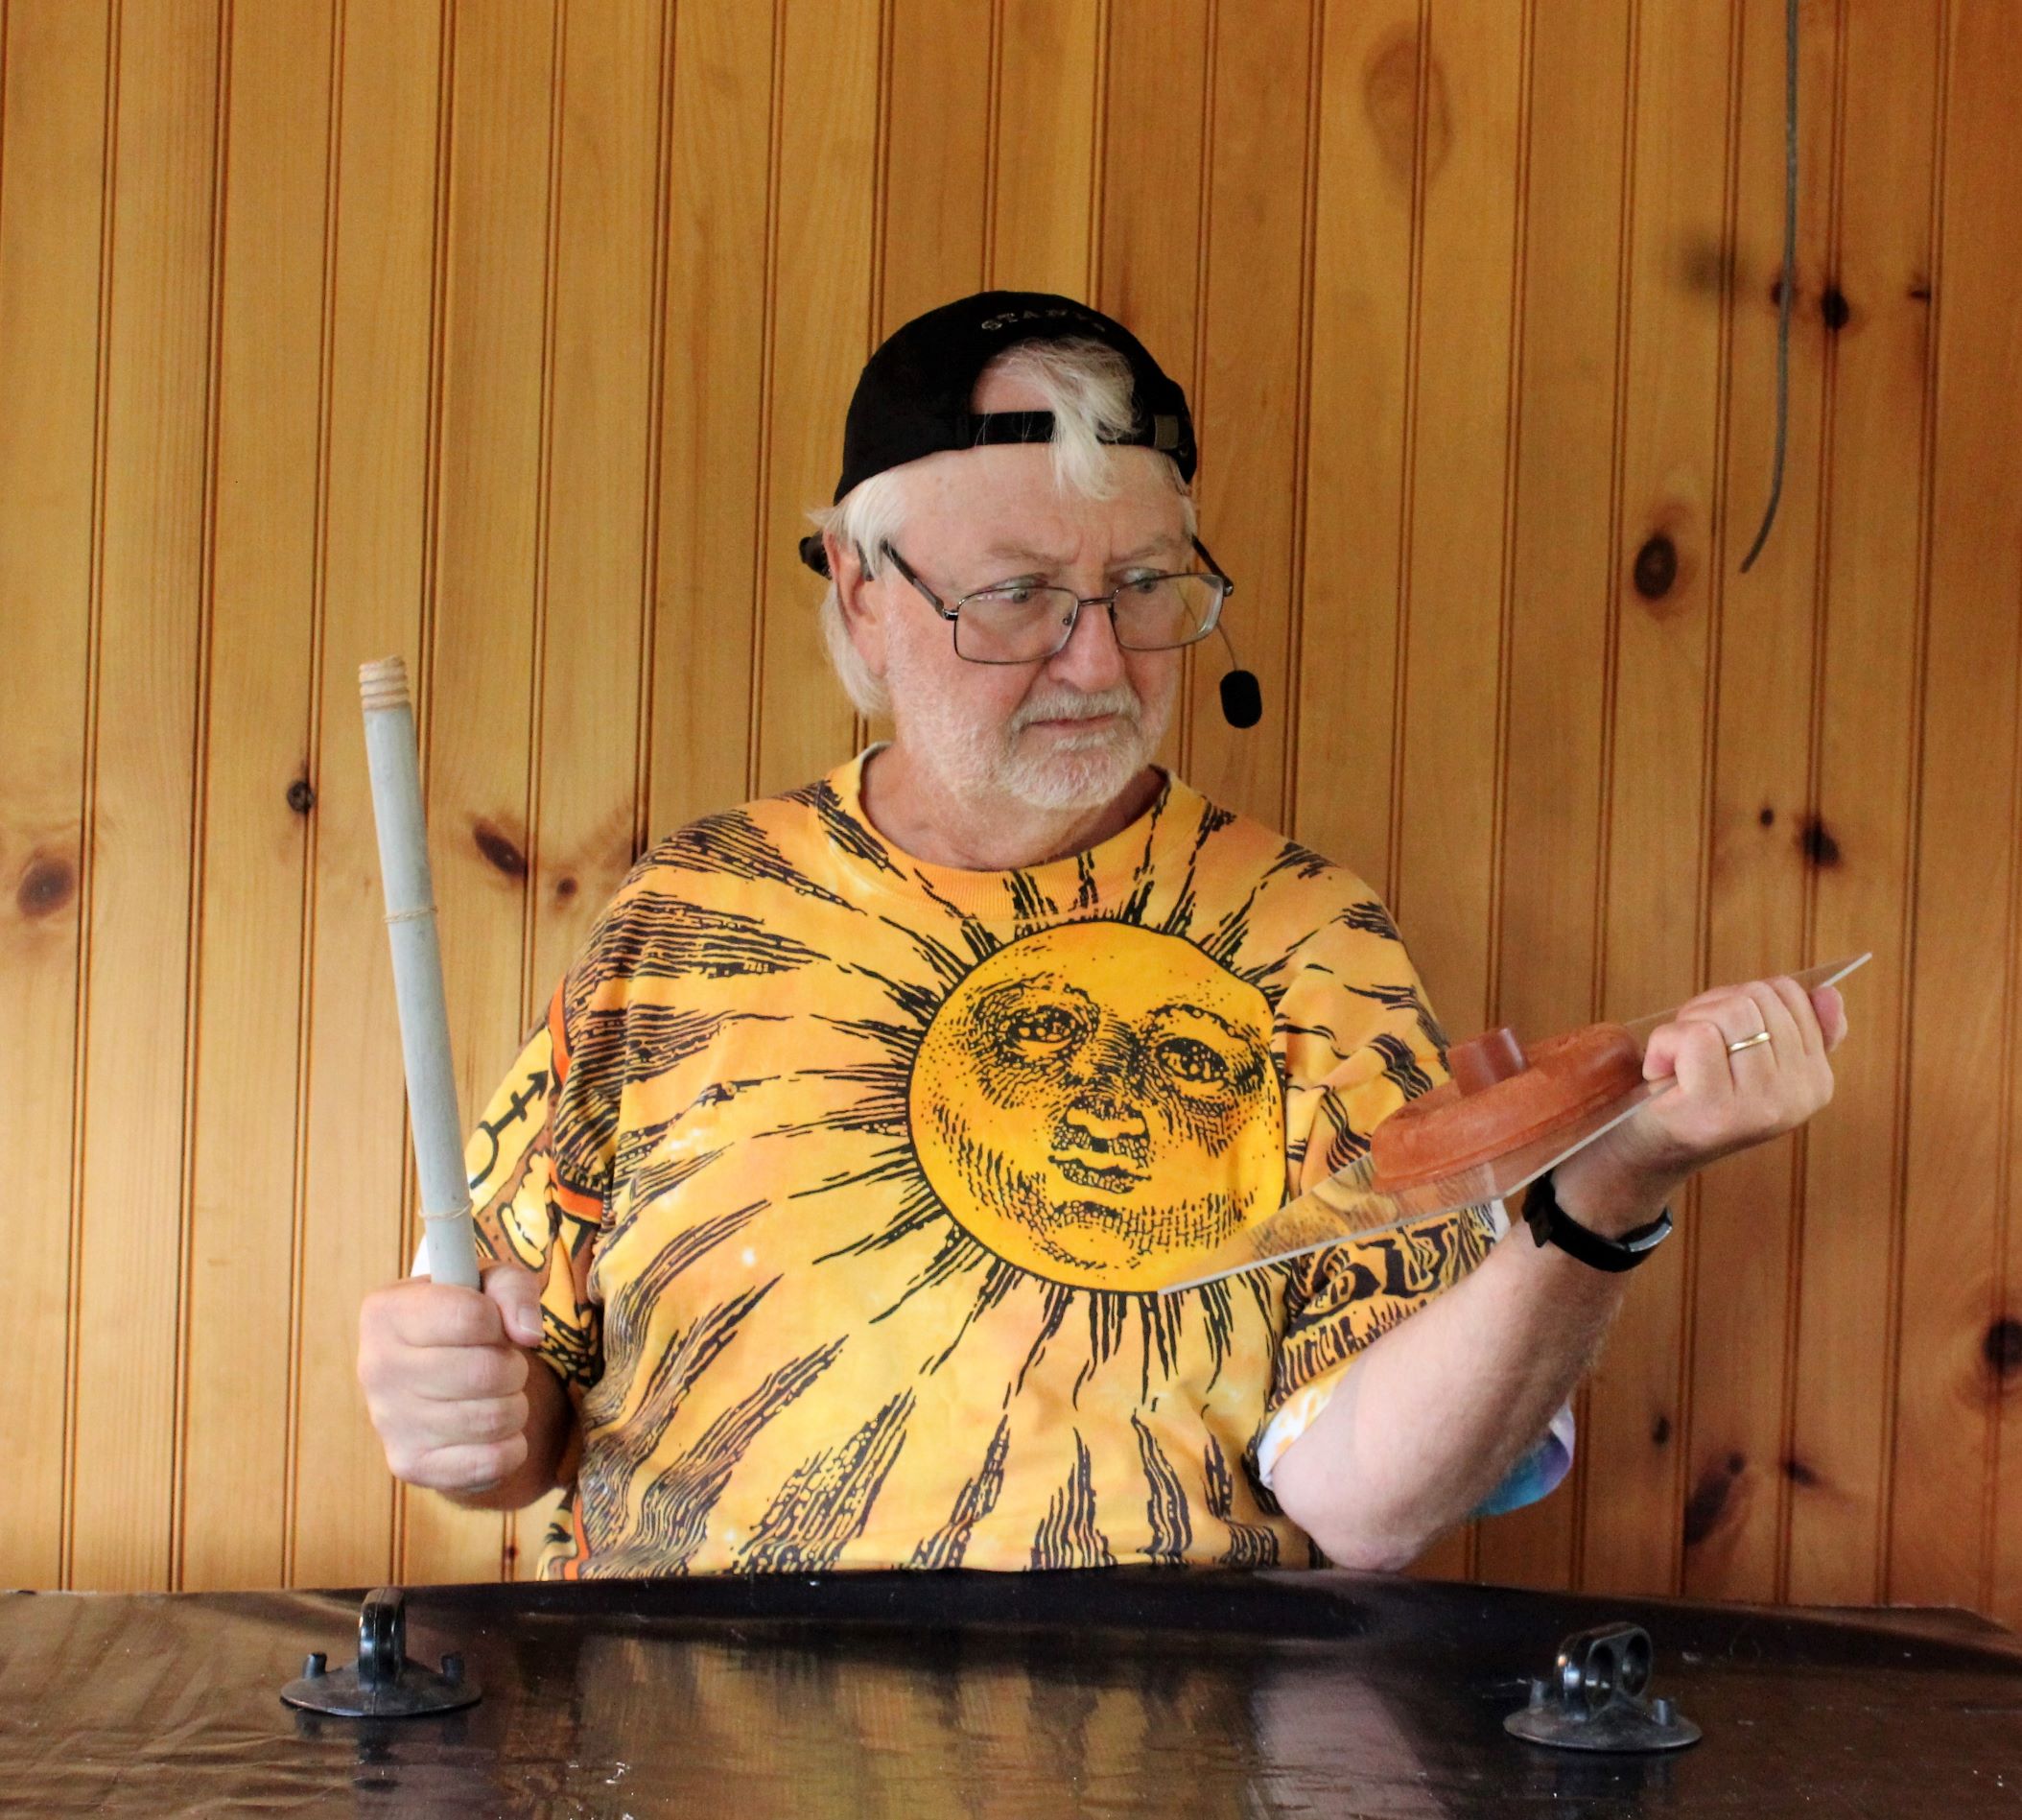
{"x":417,"y":971}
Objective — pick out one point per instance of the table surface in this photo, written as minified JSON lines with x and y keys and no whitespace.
{"x":1127,"y":1691}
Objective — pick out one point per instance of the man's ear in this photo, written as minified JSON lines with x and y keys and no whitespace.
{"x":861,"y":617}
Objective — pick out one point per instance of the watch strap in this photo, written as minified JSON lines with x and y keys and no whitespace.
{"x":1551,"y":1223}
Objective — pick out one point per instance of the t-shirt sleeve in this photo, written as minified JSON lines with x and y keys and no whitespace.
{"x":541,"y":1160}
{"x":1359,"y":1039}
{"x":539,"y":1165}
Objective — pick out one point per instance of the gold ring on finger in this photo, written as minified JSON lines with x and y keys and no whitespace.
{"x":1747,"y":1042}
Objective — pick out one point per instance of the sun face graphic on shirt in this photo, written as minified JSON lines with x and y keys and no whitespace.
{"x":1092,"y":1102}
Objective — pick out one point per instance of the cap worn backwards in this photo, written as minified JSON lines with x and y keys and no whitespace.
{"x":913,"y":397}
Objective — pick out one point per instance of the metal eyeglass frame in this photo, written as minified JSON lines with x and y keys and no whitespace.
{"x":953,"y":614}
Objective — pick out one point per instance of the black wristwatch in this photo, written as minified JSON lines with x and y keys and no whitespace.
{"x":1548,"y":1220}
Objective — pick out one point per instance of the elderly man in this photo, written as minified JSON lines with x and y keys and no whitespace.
{"x":829,"y":1202}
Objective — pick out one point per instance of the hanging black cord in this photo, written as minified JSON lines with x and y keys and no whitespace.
{"x":1788,"y":282}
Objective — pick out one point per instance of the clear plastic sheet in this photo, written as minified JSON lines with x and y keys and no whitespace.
{"x":1353,"y":1202}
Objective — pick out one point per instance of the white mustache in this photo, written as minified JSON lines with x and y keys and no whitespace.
{"x":1122,"y":699}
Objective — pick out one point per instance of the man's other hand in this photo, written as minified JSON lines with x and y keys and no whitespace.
{"x":445,"y":1375}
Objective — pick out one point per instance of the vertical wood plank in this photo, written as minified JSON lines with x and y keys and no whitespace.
{"x":1049,"y":61}
{"x":1147,"y":264}
{"x":1151,"y":205}
{"x":382,"y":388}
{"x":1453,"y":605}
{"x":1249,"y":405}
{"x":1564,"y":531}
{"x":1662,"y":658}
{"x":934,"y":188}
{"x":594,"y":514}
{"x":1878,"y":492}
{"x":52,"y":160}
{"x":1953,"y":1348}
{"x":937,"y":115}
{"x":154,"y":536}
{"x":246,"y":991}
{"x":1454,"y":531}
{"x":2001,"y":1597}
{"x":491,"y":449}
{"x":1764,"y":846}
{"x":1344,"y":681}
{"x":705,"y":590}
{"x":820,"y":342}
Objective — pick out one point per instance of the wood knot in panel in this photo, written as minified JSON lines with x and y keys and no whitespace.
{"x":1710,"y":1498}
{"x":499,"y":850}
{"x":1656,"y":569}
{"x":1816,"y":842}
{"x":1703,"y":264}
{"x":2002,"y":1349}
{"x":1390,"y":98}
{"x":48,"y":882}
{"x":301,"y":796}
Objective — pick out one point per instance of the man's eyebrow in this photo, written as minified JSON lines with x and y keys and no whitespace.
{"x":1047,"y":560}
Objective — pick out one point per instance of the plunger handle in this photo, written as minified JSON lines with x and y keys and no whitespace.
{"x":417,"y":971}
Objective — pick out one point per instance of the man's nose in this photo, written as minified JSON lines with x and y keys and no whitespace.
{"x":1091,"y":659}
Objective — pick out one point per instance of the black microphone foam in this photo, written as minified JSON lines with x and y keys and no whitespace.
{"x":1243,"y":699}
{"x":1242,"y":694}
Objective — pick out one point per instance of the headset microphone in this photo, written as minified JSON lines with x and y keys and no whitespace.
{"x":1242,"y":694}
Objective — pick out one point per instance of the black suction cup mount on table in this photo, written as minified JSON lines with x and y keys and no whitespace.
{"x":1594,"y":1700}
{"x":383,"y":1683}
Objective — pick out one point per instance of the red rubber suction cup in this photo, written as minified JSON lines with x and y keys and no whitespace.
{"x":1500,"y":1100}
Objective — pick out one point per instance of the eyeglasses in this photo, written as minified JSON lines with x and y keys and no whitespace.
{"x":1022,"y":623}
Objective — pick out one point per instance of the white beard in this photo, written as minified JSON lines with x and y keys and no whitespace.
{"x":1066,"y":772}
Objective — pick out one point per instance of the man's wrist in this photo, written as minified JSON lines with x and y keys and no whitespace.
{"x":1612,"y":1201}
{"x":1551,"y":1224}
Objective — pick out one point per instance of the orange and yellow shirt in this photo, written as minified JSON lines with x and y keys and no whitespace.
{"x":850,"y":1178}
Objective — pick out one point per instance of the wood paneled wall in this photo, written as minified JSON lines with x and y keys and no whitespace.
{"x":515,"y":335}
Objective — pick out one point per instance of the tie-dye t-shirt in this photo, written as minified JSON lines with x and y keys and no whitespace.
{"x":851,"y":1178}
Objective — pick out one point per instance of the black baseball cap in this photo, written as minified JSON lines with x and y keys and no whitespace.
{"x":913,"y":398}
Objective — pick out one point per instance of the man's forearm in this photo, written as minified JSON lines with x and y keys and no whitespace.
{"x":551,"y":1443}
{"x":1434,"y":1413}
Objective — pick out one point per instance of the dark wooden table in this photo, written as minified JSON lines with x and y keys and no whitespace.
{"x":1123,"y":1692}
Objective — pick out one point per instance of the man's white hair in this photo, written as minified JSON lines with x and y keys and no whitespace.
{"x":1086,"y":384}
